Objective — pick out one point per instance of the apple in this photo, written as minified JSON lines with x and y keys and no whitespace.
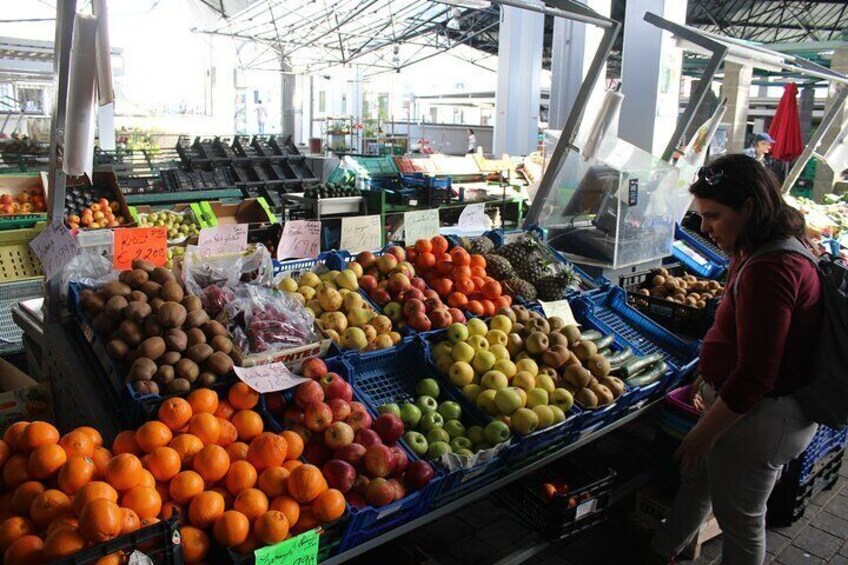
{"x":486,"y":401}
{"x":544,"y":414}
{"x":420,"y":322}
{"x":437,"y":449}
{"x":317,"y":454}
{"x":525,"y":421}
{"x":440,"y":318}
{"x":546,"y":382}
{"x":366,"y":259}
{"x":418,"y":283}
{"x":360,"y":484}
{"x":336,"y":387}
{"x":506,"y":367}
{"x":471,"y":392}
{"x":454,"y":428}
{"x":494,"y":380}
{"x":389,"y":426}
{"x":338,"y":435}
{"x":397,"y":251}
{"x":430,"y":293}
{"x":426,"y":404}
{"x":431,"y":304}
{"x":527,"y":365}
{"x":418,"y":474}
{"x":483,"y":361}
{"x":438,"y":434}
{"x":293,"y":416}
{"x":410,"y":414}
{"x":318,"y":416}
{"x":413,"y":306}
{"x":496,"y":432}
{"x":368,"y":284}
{"x":450,"y":410}
{"x":537,"y":397}
{"x":308,"y":393}
{"x":559,"y":415}
{"x":400,"y":460}
{"x":339,"y":474}
{"x":460,"y":442}
{"x":456,"y":333}
{"x":379,"y":460}
{"x":356,"y":406}
{"x":394,"y":311}
{"x":476,"y":434}
{"x":313,"y":368}
{"x":478,"y":342}
{"x":359,"y":420}
{"x":400,"y":490}
{"x":431,"y":420}
{"x":508,"y":400}
{"x":462,"y":352}
{"x":562,"y":399}
{"x":416,"y":442}
{"x":537,"y":343}
{"x":352,"y":453}
{"x":525,"y":381}
{"x":501,"y":322}
{"x":460,"y":373}
{"x":412,"y":294}
{"x":380,"y":296}
{"x":380,"y":492}
{"x":476,"y":326}
{"x":497,"y":337}
{"x":398,"y":283}
{"x":428,"y":387}
{"x":390,"y":408}
{"x":367,"y":438}
{"x":500,"y":352}
{"x":355,"y":500}
{"x":387,"y":263}
{"x":457,"y":315}
{"x":340,"y":408}
{"x":514,"y":344}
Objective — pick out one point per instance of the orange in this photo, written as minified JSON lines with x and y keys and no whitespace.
{"x":205,"y":508}
{"x":116,"y":558}
{"x":457,"y":300}
{"x":288,"y":506}
{"x":77,"y":443}
{"x":232,"y":528}
{"x":62,"y":542}
{"x":15,"y":471}
{"x":185,"y":486}
{"x":444,"y":266}
{"x":491,"y":290}
{"x":248,"y":423}
{"x":271,"y":527}
{"x":249,"y":546}
{"x":225,"y":409}
{"x":460,"y":256}
{"x":164,"y":463}
{"x":211,"y":463}
{"x":100,"y":520}
{"x":251,"y":502}
{"x":294,"y":444}
{"x":130,"y":521}
{"x":45,"y":461}
{"x":175,"y":413}
{"x":76,"y":473}
{"x":14,"y":528}
{"x":425,"y":261}
{"x":13,"y":434}
{"x":147,"y":478}
{"x":423,"y":246}
{"x":205,"y":426}
{"x":37,"y":434}
{"x":48,"y":506}
{"x":329,"y":506}
{"x":475,"y":307}
{"x":242,"y":397}
{"x":228,"y":497}
{"x":5,"y":452}
{"x":124,"y":471}
{"x":96,"y":438}
{"x":228,"y":435}
{"x":26,"y":550}
{"x":237,"y":451}
{"x":101,"y":458}
{"x":92,"y":491}
{"x":267,"y":450}
{"x":305,"y":483}
{"x":64,"y":520}
{"x":488,"y":307}
{"x":144,"y":500}
{"x":23,"y":496}
{"x":463,"y":286}
{"x":478,"y":261}
{"x":241,"y":476}
{"x":307,"y":521}
{"x":162,"y":489}
{"x":463,"y":272}
{"x":171,"y":509}
{"x":503,"y":301}
{"x":195,"y":544}
{"x":203,"y":400}
{"x":125,"y":443}
{"x":272,"y":481}
{"x":439,"y":244}
{"x":186,"y":445}
{"x":153,"y":434}
{"x":292,"y":464}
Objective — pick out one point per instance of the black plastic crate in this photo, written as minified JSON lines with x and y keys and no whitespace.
{"x":789,"y":499}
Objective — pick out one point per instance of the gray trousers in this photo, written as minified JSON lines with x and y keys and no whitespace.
{"x":735,"y":480}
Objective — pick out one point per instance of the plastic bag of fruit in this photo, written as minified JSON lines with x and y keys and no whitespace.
{"x":88,"y":269}
{"x":264,"y":320}
{"x":213,"y":278}
{"x":453,"y":462}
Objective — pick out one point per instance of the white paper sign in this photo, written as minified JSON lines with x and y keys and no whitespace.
{"x":55,"y":246}
{"x":361,"y":233}
{"x":269,"y":378}
{"x":560,"y":309}
{"x":220,"y":240}
{"x":474,"y":219}
{"x":422,"y":224}
{"x":301,"y":240}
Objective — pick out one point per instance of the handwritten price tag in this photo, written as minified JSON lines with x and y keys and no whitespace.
{"x":301,"y":240}
{"x":219,"y":240}
{"x":299,"y":550}
{"x":561,"y":309}
{"x":269,"y":378}
{"x":422,"y":224}
{"x":361,"y":233}
{"x":55,"y":246}
{"x":150,"y":244}
{"x":474,"y":219}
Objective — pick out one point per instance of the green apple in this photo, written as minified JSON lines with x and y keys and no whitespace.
{"x":562,"y":399}
{"x":494,"y":380}
{"x":546,"y":382}
{"x":464,"y":452}
{"x":501,"y":323}
{"x":476,"y":326}
{"x":471,"y":392}
{"x":457,"y":333}
{"x":476,"y":434}
{"x":524,"y":421}
{"x":462,"y":352}
{"x":506,"y":367}
{"x":559,"y":415}
{"x":461,"y":373}
{"x":458,"y":443}
{"x":507,"y":400}
{"x":390,"y":408}
{"x":442,"y":348}
{"x":478,"y":342}
{"x":416,"y":442}
{"x":438,"y":434}
{"x":426,"y":404}
{"x":437,"y":449}
{"x":495,"y":432}
{"x":431,"y":420}
{"x":524,"y":380}
{"x":499,"y":351}
{"x":496,"y":337}
{"x":545,"y":415}
{"x":427,"y":387}
{"x":410,"y":414}
{"x":528,"y":365}
{"x":483,"y":361}
{"x":450,"y":410}
{"x":454,"y":428}
{"x":486,"y":402}
{"x":537,"y":397}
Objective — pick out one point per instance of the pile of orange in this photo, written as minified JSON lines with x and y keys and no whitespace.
{"x":207,"y":458}
{"x":458,"y":276}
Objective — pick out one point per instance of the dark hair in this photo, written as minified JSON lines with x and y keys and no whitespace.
{"x":471,"y":130}
{"x":733,"y":180}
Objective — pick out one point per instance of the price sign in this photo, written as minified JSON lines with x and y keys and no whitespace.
{"x":55,"y":246}
{"x":269,"y":378}
{"x":219,"y":240}
{"x":299,"y":550}
{"x":361,"y":233}
{"x":474,"y":219}
{"x":301,"y":240}
{"x":422,"y":224}
{"x":560,"y":309}
{"x":149,"y":244}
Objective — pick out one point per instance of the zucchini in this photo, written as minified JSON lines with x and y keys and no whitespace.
{"x":650,"y":375}
{"x":605,"y":341}
{"x":620,"y":357}
{"x":637,"y":365}
{"x":605,"y":352}
{"x":591,"y":335}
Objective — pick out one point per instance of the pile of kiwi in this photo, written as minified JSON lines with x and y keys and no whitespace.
{"x":162,"y":335}
{"x":687,"y":290}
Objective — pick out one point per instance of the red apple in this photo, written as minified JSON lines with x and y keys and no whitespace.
{"x":313,"y":368}
{"x":400,"y":461}
{"x":398,"y":283}
{"x":367,"y":438}
{"x":356,"y":406}
{"x":366,"y":259}
{"x":440,"y":318}
{"x":308,"y":393}
{"x":352,"y":453}
{"x":318,"y":416}
{"x":400,"y":490}
{"x":336,"y":387}
{"x":360,"y":484}
{"x":303,"y":432}
{"x":419,"y":322}
{"x":457,"y":315}
{"x":338,"y":435}
{"x":379,"y":460}
{"x":418,"y":474}
{"x":430,"y":293}
{"x":275,"y":402}
{"x":387,"y":263}
{"x":6,"y":199}
{"x":359,"y":420}
{"x":374,"y":272}
{"x":340,"y":475}
{"x":389,"y":426}
{"x":418,"y":283}
{"x":293,"y":416}
{"x":317,"y":454}
{"x":340,"y":408}
{"x":380,"y":493}
{"x":356,"y":500}
{"x":398,"y":252}
{"x":368,"y":283}
{"x":412,"y":294}
{"x":431,"y":304}
{"x":380,"y":296}
{"x":412,"y":307}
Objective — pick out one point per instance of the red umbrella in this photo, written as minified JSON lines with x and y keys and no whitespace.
{"x":786,"y":127}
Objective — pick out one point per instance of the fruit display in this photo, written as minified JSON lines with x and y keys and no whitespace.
{"x":686,"y":289}
{"x":173,"y":254}
{"x":28,"y":201}
{"x":434,"y":428}
{"x":102,"y":213}
{"x":330,"y":190}
{"x":340,"y":310}
{"x":357,"y":455}
{"x":161,"y":334}
{"x":180,"y":225}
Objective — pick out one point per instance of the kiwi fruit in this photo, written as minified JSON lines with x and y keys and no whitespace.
{"x":115,"y":307}
{"x":137,"y":296}
{"x":556,"y":338}
{"x":103,"y":324}
{"x":614,"y":384}
{"x":176,"y":340}
{"x":145,"y":266}
{"x":115,"y":288}
{"x":572,"y":333}
{"x":598,"y":366}
{"x":172,"y":292}
{"x":221,"y":343}
{"x":207,"y":379}
{"x":196,"y":319}
{"x":177,"y":386}
{"x":192,"y":303}
{"x":213,"y":328}
{"x":587,"y":398}
{"x":219,"y":363}
{"x":134,"y":279}
{"x":169,"y":358}
{"x":137,"y":311}
{"x":152,"y":327}
{"x":194,"y":336}
{"x":585,"y":349}
{"x":164,"y":375}
{"x":171,"y":314}
{"x":187,"y":369}
{"x":146,"y":387}
{"x":93,"y":303}
{"x":521,"y":314}
{"x":117,"y":349}
{"x":151,"y":289}
{"x":604,"y":394}
{"x":538,"y":325}
{"x":200,"y":352}
{"x":131,"y":332}
{"x":556,"y":323}
{"x":152,"y":348}
{"x":576,"y":376}
{"x":142,"y":369}
{"x":162,"y":275}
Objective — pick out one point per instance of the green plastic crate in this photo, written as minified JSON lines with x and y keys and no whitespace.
{"x":17,"y":261}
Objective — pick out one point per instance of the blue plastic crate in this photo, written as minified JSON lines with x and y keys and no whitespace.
{"x":419,"y":180}
{"x":333,"y":260}
{"x":823,"y":443}
{"x":693,"y":252}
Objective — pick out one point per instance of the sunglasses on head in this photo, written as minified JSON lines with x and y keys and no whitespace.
{"x":710,"y":175}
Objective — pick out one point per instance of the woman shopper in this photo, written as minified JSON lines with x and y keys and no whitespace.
{"x":471,"y":144}
{"x":757,"y":353}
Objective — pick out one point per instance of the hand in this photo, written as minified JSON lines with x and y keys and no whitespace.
{"x":693,"y":449}
{"x":698,"y":402}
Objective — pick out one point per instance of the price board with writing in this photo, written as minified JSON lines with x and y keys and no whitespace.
{"x":55,"y":246}
{"x":474,"y":219}
{"x":561,"y":309}
{"x":149,"y":244}
{"x":361,"y":233}
{"x":269,"y":378}
{"x":301,"y":239}
{"x":219,"y":240}
{"x":421,"y":224}
{"x":299,"y":550}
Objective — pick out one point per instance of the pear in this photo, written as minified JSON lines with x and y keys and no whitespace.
{"x":358,"y":317}
{"x":352,"y":300}
{"x":334,"y":321}
{"x":347,"y":279}
{"x":329,"y":299}
{"x":354,"y":338}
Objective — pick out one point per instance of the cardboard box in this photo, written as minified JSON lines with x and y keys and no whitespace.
{"x":108,"y":182}
{"x":255,"y":212}
{"x":22,"y":398}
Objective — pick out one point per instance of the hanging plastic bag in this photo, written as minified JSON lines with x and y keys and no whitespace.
{"x":88,"y":269}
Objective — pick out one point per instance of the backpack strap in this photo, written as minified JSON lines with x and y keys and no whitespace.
{"x":791,"y":245}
